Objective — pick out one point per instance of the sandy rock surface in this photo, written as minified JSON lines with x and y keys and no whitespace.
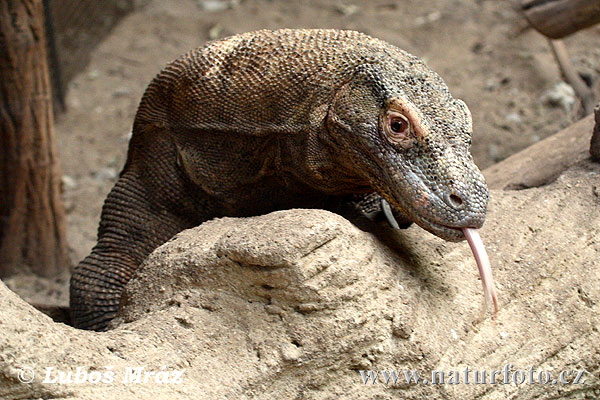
{"x":295,"y":303}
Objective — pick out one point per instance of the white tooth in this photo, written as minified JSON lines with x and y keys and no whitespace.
{"x":483,"y":263}
{"x":389,"y":215}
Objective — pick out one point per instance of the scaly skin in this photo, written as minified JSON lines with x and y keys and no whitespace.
{"x":282,"y":119}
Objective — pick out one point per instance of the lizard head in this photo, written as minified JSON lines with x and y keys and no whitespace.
{"x":398,"y":128}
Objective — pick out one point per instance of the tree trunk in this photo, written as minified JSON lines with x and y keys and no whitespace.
{"x":32,"y":227}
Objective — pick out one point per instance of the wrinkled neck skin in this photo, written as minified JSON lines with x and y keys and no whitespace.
{"x":315,"y":160}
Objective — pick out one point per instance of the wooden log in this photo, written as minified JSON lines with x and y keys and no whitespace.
{"x":559,"y":18}
{"x":541,"y":163}
{"x":595,"y":142}
{"x":32,"y":215}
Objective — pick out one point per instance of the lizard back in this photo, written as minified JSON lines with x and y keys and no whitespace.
{"x":260,"y":83}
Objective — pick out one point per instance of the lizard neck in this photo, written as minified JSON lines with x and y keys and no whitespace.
{"x":313,"y":161}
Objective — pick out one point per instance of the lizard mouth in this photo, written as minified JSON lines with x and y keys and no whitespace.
{"x":449,"y":233}
{"x":413,"y":203}
{"x":446,"y":232}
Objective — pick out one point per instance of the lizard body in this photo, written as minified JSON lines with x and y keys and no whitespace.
{"x":282,"y":119}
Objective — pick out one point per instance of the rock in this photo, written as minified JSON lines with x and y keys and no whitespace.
{"x":513,"y":118}
{"x":494,"y":151}
{"x":294,"y":304}
{"x":106,"y":174}
{"x":428,"y":19}
{"x":490,"y":84}
{"x":215,"y":31}
{"x":69,"y":183}
{"x":122,"y":91}
{"x":93,"y":74}
{"x":217,"y":5}
{"x":560,"y":95}
{"x":290,"y":352}
{"x":347,"y":9}
{"x":126,"y":137}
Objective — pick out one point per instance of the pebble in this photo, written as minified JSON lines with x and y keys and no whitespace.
{"x":347,"y":9}
{"x":429,"y":18}
{"x":513,"y":118}
{"x":273,"y":309}
{"x":69,"y":182}
{"x":494,"y":151}
{"x":105,"y":174}
{"x":306,"y":308}
{"x":453,"y":333}
{"x":122,"y":91}
{"x":215,"y":31}
{"x":490,"y":84}
{"x":217,"y":5}
{"x":290,"y":352}
{"x":400,"y":327}
{"x":559,"y":95}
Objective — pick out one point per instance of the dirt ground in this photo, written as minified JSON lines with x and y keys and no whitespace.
{"x":481,"y":48}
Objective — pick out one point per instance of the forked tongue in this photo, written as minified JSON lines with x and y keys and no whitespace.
{"x":483,"y":263}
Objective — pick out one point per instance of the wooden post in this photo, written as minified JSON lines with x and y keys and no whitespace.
{"x":595,"y":142}
{"x":32,"y":217}
{"x":559,"y":18}
{"x":585,"y":94}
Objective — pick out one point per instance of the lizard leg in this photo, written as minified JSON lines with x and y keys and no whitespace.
{"x":149,"y":204}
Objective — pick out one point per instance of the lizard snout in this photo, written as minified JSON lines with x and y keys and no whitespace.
{"x":448,"y":210}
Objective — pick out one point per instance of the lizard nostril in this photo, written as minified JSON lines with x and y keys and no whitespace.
{"x":455,"y":201}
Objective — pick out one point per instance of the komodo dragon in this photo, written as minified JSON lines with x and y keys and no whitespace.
{"x":282,"y":119}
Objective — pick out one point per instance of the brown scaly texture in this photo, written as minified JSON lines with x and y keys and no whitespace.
{"x":281,"y":119}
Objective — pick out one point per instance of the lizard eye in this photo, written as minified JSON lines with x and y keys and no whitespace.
{"x":398,"y":127}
